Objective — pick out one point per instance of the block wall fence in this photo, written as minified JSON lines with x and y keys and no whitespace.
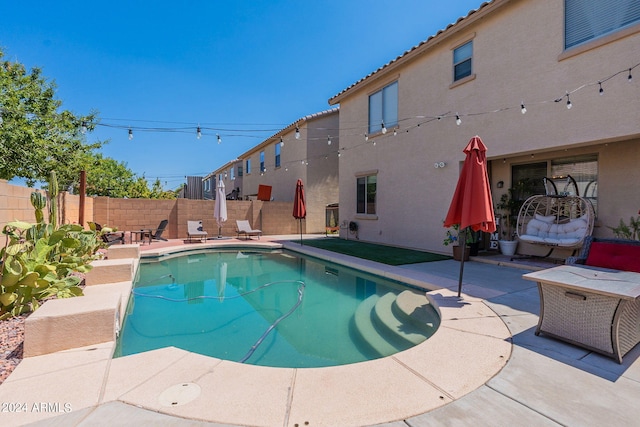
{"x":134,"y":214}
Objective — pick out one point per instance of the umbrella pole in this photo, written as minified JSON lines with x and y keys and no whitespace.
{"x":463,"y":243}
{"x":300,"y":231}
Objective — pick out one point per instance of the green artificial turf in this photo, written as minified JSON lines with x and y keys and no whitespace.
{"x":390,"y":255}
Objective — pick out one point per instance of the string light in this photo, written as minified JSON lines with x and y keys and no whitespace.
{"x":523,"y":109}
{"x":219,"y":139}
{"x":569,"y":104}
{"x":297,"y":133}
{"x":198,"y":133}
{"x":130,"y":134}
{"x":83,"y":127}
{"x":458,"y":120}
{"x":281,"y":142}
{"x":329,"y":140}
{"x":366,"y":137}
{"x":384,"y":128}
{"x":600,"y":91}
{"x":395,"y":132}
{"x":630,"y":76}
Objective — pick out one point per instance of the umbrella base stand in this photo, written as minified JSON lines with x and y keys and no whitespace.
{"x":220,"y":236}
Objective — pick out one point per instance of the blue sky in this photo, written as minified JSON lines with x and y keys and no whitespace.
{"x":245,"y":68}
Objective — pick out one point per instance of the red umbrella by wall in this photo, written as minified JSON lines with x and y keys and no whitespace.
{"x":472,"y":205}
{"x":299,"y":208}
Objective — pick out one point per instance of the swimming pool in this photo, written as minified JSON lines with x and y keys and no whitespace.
{"x":271,"y":308}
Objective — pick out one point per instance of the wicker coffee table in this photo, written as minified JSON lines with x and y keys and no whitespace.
{"x":595,"y":308}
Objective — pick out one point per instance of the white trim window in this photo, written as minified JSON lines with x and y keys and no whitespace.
{"x":585,"y":20}
{"x":366,"y":189}
{"x":462,"y":61}
{"x":383,"y":108}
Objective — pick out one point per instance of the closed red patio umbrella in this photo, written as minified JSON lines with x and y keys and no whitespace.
{"x":472,"y":205}
{"x":299,"y":208}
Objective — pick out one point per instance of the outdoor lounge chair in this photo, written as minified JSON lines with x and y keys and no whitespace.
{"x":245,"y":228}
{"x":195,"y":231}
{"x":157,"y":233}
{"x":108,"y":238}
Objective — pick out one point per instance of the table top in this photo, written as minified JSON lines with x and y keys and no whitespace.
{"x":619,"y":284}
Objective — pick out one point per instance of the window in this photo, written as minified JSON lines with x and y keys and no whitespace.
{"x":262,"y":169}
{"x":248,"y":166}
{"x":383,"y":108}
{"x":583,"y":169}
{"x":586,"y":20}
{"x":366,"y":194}
{"x":232,"y":173}
{"x":278,"y":155}
{"x":462,"y":61}
{"x":239,"y":170}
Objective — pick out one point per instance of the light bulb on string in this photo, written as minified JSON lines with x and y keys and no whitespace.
{"x":219,"y":139}
{"x":297,"y":133}
{"x":569,"y":104}
{"x":458,"y":120}
{"x":523,"y":109}
{"x":83,"y":127}
{"x":366,"y":137}
{"x":329,"y":140}
{"x":384,"y":128}
{"x":281,"y":142}
{"x":198,"y":133}
{"x":601,"y":90}
{"x":130,"y":134}
{"x":630,"y":77}
{"x":395,"y":132}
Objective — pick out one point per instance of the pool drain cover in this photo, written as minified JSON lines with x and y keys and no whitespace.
{"x":179,"y":394}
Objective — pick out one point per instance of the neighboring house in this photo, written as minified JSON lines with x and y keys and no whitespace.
{"x":231,"y":174}
{"x":506,"y":72}
{"x":307,"y":149}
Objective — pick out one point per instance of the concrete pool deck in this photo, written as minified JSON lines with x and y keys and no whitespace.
{"x":484,"y":366}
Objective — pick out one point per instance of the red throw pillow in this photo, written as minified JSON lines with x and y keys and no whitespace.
{"x":617,"y":256}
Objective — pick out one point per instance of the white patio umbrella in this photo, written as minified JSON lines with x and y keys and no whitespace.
{"x":220,"y":208}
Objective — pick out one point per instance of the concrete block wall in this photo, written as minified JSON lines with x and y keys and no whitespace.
{"x":136,"y":214}
{"x":15,"y":204}
{"x":277,"y":218}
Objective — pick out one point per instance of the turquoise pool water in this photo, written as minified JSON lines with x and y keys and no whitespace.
{"x":273,"y":308}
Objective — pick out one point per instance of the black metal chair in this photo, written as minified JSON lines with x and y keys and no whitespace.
{"x":157,"y":233}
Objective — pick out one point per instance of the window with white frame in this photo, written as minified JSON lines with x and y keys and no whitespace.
{"x":383,"y":108}
{"x":585,"y":20}
{"x":277,"y":146}
{"x":248,"y":164}
{"x":366,"y":194}
{"x":462,"y":58}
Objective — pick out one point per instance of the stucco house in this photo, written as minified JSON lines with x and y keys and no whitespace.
{"x":231,"y":174}
{"x":552,"y":88}
{"x":306,"y":149}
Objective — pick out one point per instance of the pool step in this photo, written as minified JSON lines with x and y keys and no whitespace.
{"x":367,"y":330}
{"x":392,"y":323}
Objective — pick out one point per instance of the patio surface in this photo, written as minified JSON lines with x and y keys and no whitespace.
{"x":483,"y":367}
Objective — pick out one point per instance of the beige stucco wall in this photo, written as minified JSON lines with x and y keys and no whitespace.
{"x":517,"y":57}
{"x":310,"y":159}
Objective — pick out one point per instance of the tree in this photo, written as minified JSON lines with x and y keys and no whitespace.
{"x":35,"y":137}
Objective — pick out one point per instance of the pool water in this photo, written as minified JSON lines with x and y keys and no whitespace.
{"x":274,"y":308}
